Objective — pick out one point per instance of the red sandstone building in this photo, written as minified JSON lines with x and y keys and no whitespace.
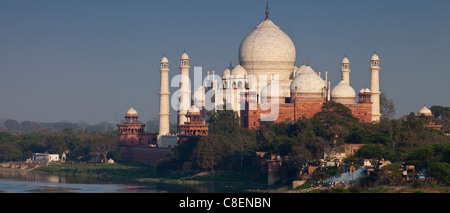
{"x":293,"y":110}
{"x":132,"y":132}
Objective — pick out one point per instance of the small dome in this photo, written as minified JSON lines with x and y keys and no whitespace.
{"x":271,"y":90}
{"x":299,"y":70}
{"x":307,"y":81}
{"x":185,"y":56}
{"x":367,"y":90}
{"x":343,"y":90}
{"x":425,"y":111}
{"x":361,"y":91}
{"x":164,"y":60}
{"x":226,"y":73}
{"x":193,"y":109}
{"x":345,"y":61}
{"x":239,"y":71}
{"x":131,"y":112}
{"x":374,"y":57}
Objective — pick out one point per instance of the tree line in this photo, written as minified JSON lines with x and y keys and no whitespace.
{"x":11,"y":125}
{"x":78,"y":145}
{"x":232,"y":147}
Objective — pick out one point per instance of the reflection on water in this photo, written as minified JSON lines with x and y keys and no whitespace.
{"x":15,"y":181}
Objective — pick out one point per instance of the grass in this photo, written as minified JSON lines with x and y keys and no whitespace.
{"x":121,"y":169}
{"x":149,"y":173}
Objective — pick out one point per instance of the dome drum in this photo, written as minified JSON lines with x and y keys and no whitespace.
{"x":344,"y":100}
{"x":307,"y":97}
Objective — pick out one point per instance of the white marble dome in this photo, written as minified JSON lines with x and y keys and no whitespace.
{"x":132,"y":112}
{"x":267,"y":43}
{"x":299,"y":70}
{"x":425,"y":111}
{"x":226,"y":73}
{"x":343,"y":90}
{"x":239,"y":71}
{"x":307,"y":81}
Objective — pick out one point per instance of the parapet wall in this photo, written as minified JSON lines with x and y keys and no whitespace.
{"x":145,"y":155}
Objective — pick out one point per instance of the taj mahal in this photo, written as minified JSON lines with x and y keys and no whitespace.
{"x":265,"y":85}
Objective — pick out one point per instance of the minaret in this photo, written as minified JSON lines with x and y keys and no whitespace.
{"x":375,"y":86}
{"x":185,"y":89}
{"x":345,"y":70}
{"x":164,"y":104}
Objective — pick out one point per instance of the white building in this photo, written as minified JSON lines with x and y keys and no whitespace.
{"x":45,"y":157}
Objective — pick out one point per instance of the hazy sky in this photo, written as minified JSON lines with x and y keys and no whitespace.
{"x":91,"y":60}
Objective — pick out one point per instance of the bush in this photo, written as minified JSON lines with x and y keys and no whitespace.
{"x":440,"y":171}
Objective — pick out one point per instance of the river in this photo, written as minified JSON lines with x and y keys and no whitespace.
{"x":17,"y":181}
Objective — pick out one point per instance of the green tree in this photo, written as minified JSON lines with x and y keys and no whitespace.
{"x":13,"y":125}
{"x":244,"y":144}
{"x":211,"y":150}
{"x":373,"y":151}
{"x":390,"y":174}
{"x":336,"y":118}
{"x":180,"y":157}
{"x":224,"y":122}
{"x":440,"y":171}
{"x":104,"y":145}
{"x":387,"y":107}
{"x":9,"y":152}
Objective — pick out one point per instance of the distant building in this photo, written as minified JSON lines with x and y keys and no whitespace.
{"x":45,"y":157}
{"x":429,"y":116}
{"x":131,"y":132}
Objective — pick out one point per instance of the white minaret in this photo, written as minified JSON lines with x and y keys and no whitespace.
{"x":375,"y":86}
{"x":345,"y":70}
{"x":185,"y":89}
{"x":164,"y":104}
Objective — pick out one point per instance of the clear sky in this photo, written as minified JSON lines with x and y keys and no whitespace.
{"x":91,"y":60}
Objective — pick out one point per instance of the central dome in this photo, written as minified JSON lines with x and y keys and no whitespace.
{"x":267,"y":46}
{"x":268,"y":51}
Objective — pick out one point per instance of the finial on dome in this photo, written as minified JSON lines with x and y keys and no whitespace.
{"x":307,"y":62}
{"x":267,"y":9}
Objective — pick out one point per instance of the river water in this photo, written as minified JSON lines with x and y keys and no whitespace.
{"x":16,"y":181}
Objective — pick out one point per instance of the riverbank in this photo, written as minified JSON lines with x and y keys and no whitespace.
{"x":146,"y":174}
{"x":246,"y":181}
